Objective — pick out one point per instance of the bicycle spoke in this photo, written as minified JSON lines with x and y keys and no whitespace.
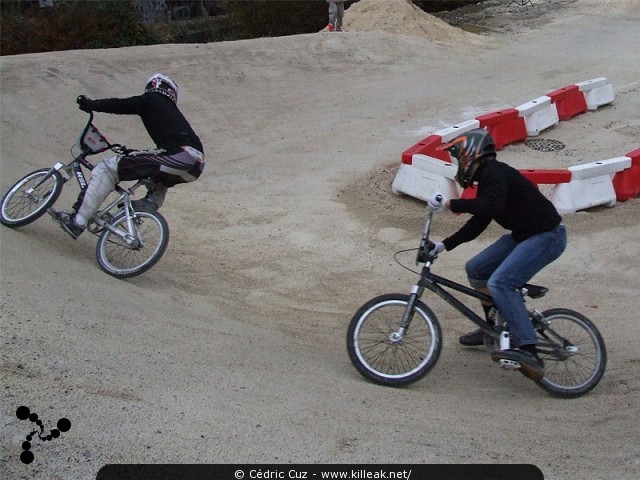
{"x":573,"y":353}
{"x":121,"y":257}
{"x":382,"y":357}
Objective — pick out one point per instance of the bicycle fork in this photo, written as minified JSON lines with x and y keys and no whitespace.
{"x":407,"y":316}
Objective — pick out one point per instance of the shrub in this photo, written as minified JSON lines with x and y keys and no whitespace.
{"x":72,"y":24}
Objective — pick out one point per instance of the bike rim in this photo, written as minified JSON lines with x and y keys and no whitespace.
{"x":19,"y":206}
{"x":123,"y":259}
{"x":578,"y":370}
{"x":393,"y":360}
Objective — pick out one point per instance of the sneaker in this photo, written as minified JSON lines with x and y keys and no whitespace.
{"x":472,"y":339}
{"x":330,"y":27}
{"x":144,"y":204}
{"x":65,"y":218}
{"x":528,"y":363}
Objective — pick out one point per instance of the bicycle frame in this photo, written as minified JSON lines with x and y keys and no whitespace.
{"x":435,"y":283}
{"x":74,"y":168}
{"x":125,"y":200}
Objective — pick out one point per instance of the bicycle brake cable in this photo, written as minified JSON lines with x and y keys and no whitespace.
{"x":395,"y":257}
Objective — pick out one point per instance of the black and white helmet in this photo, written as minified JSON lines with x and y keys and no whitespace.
{"x":470,"y":150}
{"x":162,"y":84}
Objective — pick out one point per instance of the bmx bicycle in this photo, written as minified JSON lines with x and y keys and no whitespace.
{"x":395,"y":339}
{"x":130,"y":241}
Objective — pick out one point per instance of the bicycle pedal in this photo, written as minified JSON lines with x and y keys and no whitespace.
{"x":508,"y":364}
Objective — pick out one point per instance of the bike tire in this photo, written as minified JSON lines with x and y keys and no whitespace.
{"x":121,"y":260}
{"x":19,"y":208}
{"x":571,"y":375}
{"x":385,"y":361}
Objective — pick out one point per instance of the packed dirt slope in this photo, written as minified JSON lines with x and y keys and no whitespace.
{"x":232,"y":349}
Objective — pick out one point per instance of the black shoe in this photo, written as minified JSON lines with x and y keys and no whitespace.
{"x":472,"y":339}
{"x":66,"y":222}
{"x":144,"y":204}
{"x":518,"y":358}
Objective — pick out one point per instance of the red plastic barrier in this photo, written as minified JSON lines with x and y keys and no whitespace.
{"x":627,"y":182}
{"x":426,"y":146}
{"x":469,"y":193}
{"x":547,"y":177}
{"x":569,"y":101}
{"x":505,"y":127}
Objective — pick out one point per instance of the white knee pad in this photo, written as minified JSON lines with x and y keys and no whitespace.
{"x":103,"y":181}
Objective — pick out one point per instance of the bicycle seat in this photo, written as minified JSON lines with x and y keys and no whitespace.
{"x":533,"y":291}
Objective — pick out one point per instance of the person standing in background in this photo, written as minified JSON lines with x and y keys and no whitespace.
{"x":336,"y":14}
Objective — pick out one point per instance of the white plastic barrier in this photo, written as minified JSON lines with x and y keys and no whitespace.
{"x":597,"y":92}
{"x":539,"y":114}
{"x":424,"y":177}
{"x":453,"y":131}
{"x":591,"y":185}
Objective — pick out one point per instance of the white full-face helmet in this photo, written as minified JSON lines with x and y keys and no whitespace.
{"x":163,"y":85}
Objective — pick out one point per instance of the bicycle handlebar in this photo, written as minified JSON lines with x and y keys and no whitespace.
{"x":425,"y":245}
{"x":115,"y":147}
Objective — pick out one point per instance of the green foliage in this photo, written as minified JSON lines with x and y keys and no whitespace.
{"x":72,"y":24}
{"x":83,"y":24}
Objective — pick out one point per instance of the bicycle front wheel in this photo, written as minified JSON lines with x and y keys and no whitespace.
{"x":27,"y":201}
{"x":573,"y":352}
{"x":128,"y":255}
{"x":384,"y":354}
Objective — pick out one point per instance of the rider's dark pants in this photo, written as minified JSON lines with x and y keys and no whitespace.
{"x":506,"y":265}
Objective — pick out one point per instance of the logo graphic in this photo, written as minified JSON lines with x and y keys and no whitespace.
{"x":23,"y":413}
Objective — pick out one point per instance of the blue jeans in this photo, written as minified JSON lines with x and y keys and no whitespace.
{"x":505,"y":266}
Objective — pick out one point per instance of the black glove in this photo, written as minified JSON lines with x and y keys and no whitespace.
{"x":84,"y":103}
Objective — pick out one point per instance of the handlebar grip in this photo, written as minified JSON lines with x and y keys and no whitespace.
{"x":83,"y":103}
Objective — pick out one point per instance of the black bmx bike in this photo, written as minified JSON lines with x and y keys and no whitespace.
{"x":396,"y":339}
{"x":130,"y":241}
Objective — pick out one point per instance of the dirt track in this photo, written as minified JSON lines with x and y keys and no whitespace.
{"x":231,"y":350}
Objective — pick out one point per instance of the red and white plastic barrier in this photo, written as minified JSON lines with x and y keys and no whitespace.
{"x":597,"y":92}
{"x":591,"y":185}
{"x":431,"y":145}
{"x":539,"y":114}
{"x":505,"y":126}
{"x":425,"y":176}
{"x":627,"y":182}
{"x":426,"y":168}
{"x":569,"y":101}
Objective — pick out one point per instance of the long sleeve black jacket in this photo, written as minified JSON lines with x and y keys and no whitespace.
{"x":506,"y":196}
{"x":166,"y":125}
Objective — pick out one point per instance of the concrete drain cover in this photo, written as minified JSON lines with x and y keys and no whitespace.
{"x":544,"y":145}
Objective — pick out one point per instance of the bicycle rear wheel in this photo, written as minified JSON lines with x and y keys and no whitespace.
{"x":384,"y":357}
{"x":573,"y":352}
{"x":23,"y":203}
{"x":120,"y":258}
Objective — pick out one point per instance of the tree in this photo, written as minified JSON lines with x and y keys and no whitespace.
{"x":150,"y":9}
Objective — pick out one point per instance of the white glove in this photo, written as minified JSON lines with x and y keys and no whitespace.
{"x":436,"y":202}
{"x":437,"y":248}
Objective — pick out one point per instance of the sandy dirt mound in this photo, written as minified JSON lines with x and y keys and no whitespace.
{"x":403,"y":17}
